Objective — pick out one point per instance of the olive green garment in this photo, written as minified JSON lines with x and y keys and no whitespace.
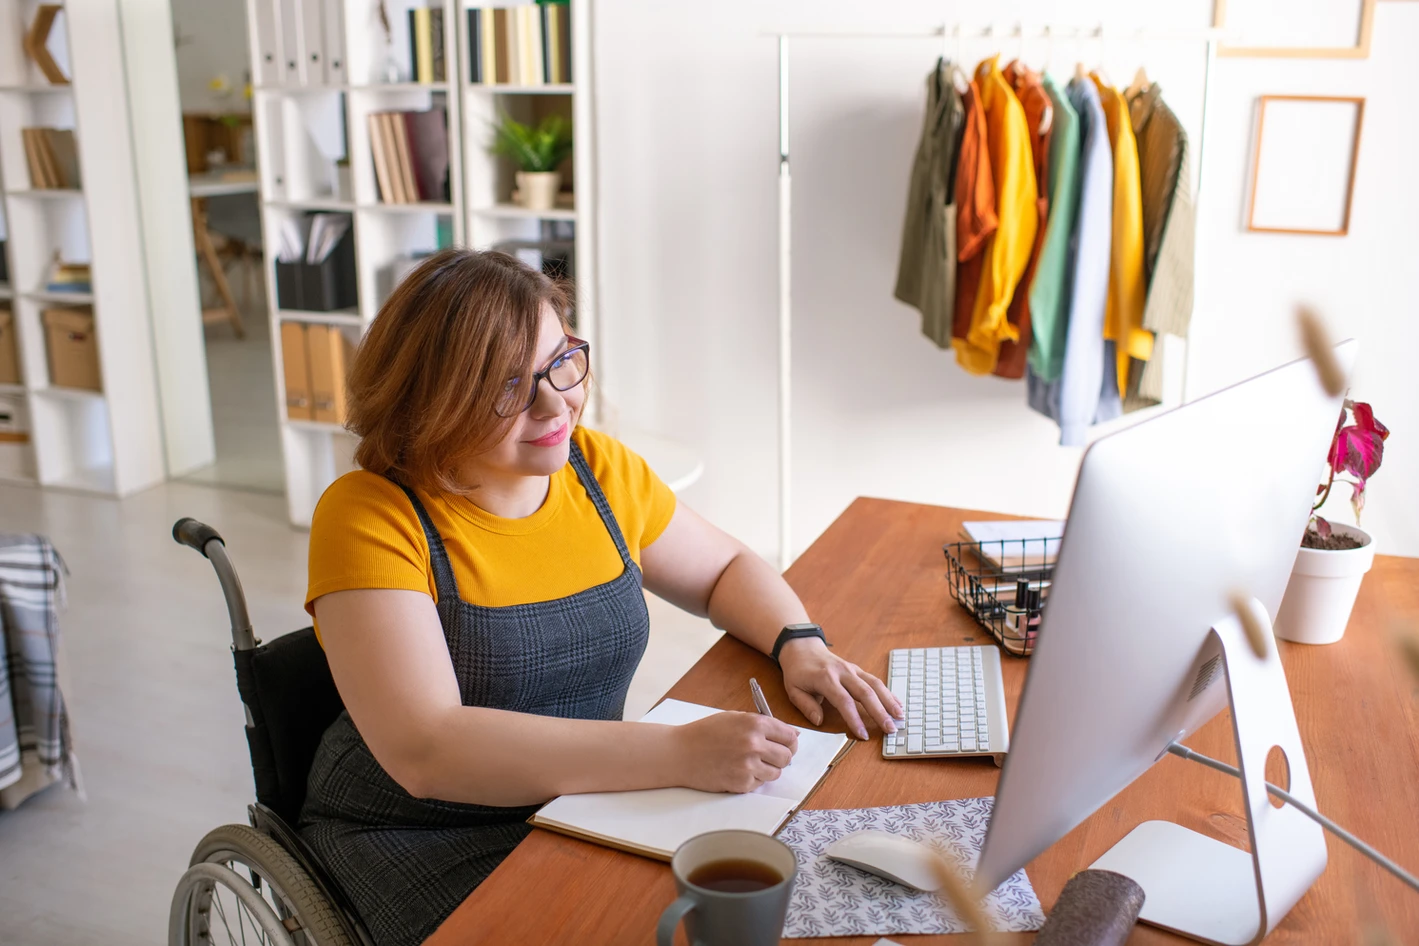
{"x":926,"y":271}
{"x":1169,"y":221}
{"x":1049,"y":292}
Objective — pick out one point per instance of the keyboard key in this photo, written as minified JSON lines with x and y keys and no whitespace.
{"x":914,"y":743}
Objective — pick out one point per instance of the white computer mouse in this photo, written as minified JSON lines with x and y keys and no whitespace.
{"x":892,"y":856}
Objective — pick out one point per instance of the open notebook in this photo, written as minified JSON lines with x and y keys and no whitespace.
{"x":656,"y":821}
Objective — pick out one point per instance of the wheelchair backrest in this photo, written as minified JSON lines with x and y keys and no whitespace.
{"x":291,"y":696}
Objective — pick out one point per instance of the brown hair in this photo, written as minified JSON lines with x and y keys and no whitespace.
{"x":435,"y":361}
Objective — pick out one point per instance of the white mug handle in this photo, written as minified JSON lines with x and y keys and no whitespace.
{"x":665,"y":929}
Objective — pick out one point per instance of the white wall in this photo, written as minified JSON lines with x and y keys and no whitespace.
{"x":211,"y":37}
{"x":688,"y":155}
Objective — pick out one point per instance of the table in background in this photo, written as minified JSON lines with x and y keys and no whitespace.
{"x":876,"y":581}
{"x":199,"y":188}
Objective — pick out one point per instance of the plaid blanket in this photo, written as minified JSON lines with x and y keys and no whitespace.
{"x":34,"y":723}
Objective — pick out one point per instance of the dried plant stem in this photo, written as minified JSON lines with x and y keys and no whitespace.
{"x":963,"y":899}
{"x":1256,"y":634}
{"x":1318,"y":347}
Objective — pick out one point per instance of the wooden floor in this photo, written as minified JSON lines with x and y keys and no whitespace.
{"x":158,"y":726}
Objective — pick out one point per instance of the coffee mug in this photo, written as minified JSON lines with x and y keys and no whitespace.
{"x":734,"y":888}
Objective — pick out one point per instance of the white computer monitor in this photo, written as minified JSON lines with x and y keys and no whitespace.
{"x":1169,"y":519}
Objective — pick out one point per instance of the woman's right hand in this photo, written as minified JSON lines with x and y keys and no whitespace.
{"x":734,"y":752}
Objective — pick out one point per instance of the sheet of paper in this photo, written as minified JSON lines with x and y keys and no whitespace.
{"x":832,"y":899}
{"x":1014,"y":544}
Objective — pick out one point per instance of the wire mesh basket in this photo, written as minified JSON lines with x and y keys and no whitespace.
{"x":1003,"y":585}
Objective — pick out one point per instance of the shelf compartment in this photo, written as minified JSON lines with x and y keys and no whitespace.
{"x":73,"y":440}
{"x":390,"y":244}
{"x":301,"y":143}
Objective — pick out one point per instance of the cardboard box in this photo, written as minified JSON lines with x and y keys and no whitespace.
{"x":9,"y":351}
{"x":73,"y":349}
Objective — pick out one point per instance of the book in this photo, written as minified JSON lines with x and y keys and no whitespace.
{"x":403,"y":158}
{"x":383,"y":176}
{"x":436,"y":45}
{"x":513,"y":29}
{"x":39,"y":176}
{"x":1016,"y":545}
{"x":475,"y":45}
{"x":427,"y":132}
{"x":655,"y":822}
{"x":421,"y":53}
{"x":530,"y":29}
{"x":501,"y":51}
{"x":556,"y":21}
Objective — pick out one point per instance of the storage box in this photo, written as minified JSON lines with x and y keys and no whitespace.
{"x":16,"y":455}
{"x":9,"y":351}
{"x":73,"y":350}
{"x":295,"y":363}
{"x":319,"y":287}
{"x":330,"y":356}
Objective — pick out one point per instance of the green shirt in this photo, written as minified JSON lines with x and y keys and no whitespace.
{"x":1049,"y":293}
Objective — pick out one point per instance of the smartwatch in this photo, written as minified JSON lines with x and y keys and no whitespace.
{"x":795,"y":631}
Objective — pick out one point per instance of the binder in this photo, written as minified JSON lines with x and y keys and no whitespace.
{"x":333,"y":31}
{"x":384,"y":175}
{"x":295,"y":362}
{"x":312,"y":13}
{"x":270,"y":70}
{"x":500,"y":34}
{"x":292,"y":49}
{"x":330,"y":355}
{"x":476,"y":56}
{"x":421,"y":51}
{"x":530,"y":29}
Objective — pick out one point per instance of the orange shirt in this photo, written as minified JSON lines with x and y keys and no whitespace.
{"x":975,"y":209}
{"x":1007,"y":253}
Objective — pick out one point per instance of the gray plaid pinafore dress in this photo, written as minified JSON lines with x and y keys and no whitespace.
{"x":407,"y":862}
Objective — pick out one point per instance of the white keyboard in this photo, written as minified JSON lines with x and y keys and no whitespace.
{"x":954,"y":699}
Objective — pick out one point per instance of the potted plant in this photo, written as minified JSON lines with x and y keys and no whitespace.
{"x":537,"y":152}
{"x":1334,"y":557}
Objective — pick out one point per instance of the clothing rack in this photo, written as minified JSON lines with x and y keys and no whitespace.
{"x":1209,"y":38}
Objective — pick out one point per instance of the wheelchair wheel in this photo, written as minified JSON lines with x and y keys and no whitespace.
{"x":243,"y":887}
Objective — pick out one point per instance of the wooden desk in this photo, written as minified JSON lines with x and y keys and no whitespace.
{"x":876,"y":581}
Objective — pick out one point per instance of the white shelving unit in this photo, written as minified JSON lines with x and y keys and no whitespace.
{"x":108,"y":442}
{"x":317,"y":66}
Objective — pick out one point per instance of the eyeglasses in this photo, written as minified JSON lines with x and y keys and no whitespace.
{"x":565,"y":372}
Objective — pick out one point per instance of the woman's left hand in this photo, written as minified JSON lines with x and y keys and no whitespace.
{"x":813,"y":673}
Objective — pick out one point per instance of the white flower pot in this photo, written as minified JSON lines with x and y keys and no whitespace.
{"x":1322,"y":590}
{"x":537,"y":190}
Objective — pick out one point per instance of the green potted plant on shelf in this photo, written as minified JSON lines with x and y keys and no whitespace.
{"x":1334,"y":557}
{"x":537,"y":152}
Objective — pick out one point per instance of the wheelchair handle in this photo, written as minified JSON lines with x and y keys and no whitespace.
{"x":209,"y":542}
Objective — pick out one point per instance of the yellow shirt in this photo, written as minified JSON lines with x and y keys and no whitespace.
{"x":365,"y":534}
{"x":1007,"y":252}
{"x":1123,"y":313}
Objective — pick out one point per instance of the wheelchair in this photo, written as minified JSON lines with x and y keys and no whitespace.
{"x":260,"y":880}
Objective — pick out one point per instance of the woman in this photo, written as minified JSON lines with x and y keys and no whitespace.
{"x":477,"y":589}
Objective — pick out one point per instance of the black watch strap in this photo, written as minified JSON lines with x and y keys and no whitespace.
{"x":795,"y":631}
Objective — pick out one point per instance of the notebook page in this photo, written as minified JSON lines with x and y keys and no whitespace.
{"x":662,"y":819}
{"x":816,"y":750}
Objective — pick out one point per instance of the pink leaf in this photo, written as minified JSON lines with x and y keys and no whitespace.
{"x":1322,"y":527}
{"x":1359,"y":451}
{"x":1357,"y":499}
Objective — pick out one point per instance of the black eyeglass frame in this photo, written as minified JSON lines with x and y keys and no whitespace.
{"x":575,"y":345}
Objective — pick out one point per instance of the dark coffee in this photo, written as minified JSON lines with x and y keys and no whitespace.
{"x":735,"y":875}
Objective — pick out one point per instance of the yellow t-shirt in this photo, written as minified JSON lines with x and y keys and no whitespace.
{"x":365,"y":534}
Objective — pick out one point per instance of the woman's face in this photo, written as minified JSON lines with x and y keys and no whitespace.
{"x":539,"y":440}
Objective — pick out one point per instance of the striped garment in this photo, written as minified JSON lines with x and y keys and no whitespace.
{"x":34,"y":721}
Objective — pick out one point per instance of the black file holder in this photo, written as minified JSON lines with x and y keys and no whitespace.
{"x":320,"y":287}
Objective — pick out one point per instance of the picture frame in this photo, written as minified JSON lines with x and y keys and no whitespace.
{"x":1304,"y":163}
{"x":1248,"y":17}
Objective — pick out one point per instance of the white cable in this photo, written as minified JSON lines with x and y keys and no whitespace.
{"x":1320,"y":819}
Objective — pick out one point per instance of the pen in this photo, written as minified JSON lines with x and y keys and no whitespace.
{"x":759,"y":701}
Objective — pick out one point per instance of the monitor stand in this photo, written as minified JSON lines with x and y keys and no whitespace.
{"x":1211,"y":891}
